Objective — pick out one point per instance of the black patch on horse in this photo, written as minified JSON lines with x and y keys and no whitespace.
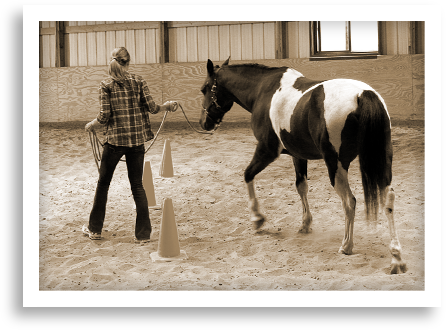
{"x":302,"y":84}
{"x":303,"y":140}
{"x":349,"y":140}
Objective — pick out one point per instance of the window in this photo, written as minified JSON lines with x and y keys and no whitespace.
{"x":340,"y":39}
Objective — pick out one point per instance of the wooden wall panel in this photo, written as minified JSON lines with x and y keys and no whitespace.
{"x":270,"y":41}
{"x":71,"y":94}
{"x":214,"y":44}
{"x":182,"y":82}
{"x":102,"y":56}
{"x":78,"y":91}
{"x":48,"y":46}
{"x":257,"y":41}
{"x":418,"y":87}
{"x":225,"y":46}
{"x":304,"y":39}
{"x":48,"y":95}
{"x":110,"y":41}
{"x":235,"y":42}
{"x":94,"y":47}
{"x":298,"y":39}
{"x":72,"y":51}
{"x":140,"y":42}
{"x":203,"y":43}
{"x":189,"y":42}
{"x":173,"y":45}
{"x":293,"y":39}
{"x":181,"y":46}
{"x":151,"y":46}
{"x":130,"y":44}
{"x":192,"y":44}
{"x":157,"y":46}
{"x":40,"y":48}
{"x":53,"y":49}
{"x":247,"y":42}
{"x":46,"y":51}
{"x":392,"y":38}
{"x":241,"y":41}
{"x":152,"y":74}
{"x":82,"y":55}
{"x":120,"y":39}
{"x":403,"y":37}
{"x":82,"y":47}
{"x":91,"y":47}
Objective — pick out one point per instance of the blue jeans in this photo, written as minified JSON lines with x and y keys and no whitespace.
{"x":135,"y":165}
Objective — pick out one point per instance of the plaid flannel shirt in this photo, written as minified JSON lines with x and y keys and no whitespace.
{"x":125,"y":107}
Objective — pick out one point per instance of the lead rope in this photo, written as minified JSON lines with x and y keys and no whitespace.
{"x":190,"y":125}
{"x":97,"y":145}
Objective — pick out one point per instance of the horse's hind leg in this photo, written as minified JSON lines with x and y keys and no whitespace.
{"x":349,"y":204}
{"x":398,"y":265}
{"x":339,"y":180}
{"x":300,"y":165}
{"x":387,"y":202}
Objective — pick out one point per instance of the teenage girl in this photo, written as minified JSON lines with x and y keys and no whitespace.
{"x":125,"y":104}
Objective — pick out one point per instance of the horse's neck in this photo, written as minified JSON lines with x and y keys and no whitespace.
{"x":242,"y":84}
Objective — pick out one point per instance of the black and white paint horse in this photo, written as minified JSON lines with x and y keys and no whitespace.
{"x":334,"y":120}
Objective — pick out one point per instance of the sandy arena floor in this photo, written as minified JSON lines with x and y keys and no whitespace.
{"x":210,"y":205}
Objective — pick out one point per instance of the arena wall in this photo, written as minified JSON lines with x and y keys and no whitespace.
{"x":71,"y":93}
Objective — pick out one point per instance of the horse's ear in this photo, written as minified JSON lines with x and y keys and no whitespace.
{"x":227,"y":61}
{"x":210,"y":67}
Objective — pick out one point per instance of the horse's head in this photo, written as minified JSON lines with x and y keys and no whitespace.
{"x":216,"y":100}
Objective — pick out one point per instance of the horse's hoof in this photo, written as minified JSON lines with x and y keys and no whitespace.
{"x":258,"y":223}
{"x":345,"y":250}
{"x":398,"y":268}
{"x":305,"y":230}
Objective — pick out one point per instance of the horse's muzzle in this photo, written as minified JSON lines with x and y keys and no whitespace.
{"x":204,"y":122}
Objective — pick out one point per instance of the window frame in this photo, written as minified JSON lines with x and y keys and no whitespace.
{"x":316,"y":54}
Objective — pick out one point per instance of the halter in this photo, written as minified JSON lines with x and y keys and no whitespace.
{"x":213,"y":101}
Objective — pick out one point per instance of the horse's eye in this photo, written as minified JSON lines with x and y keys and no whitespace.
{"x":203,"y":89}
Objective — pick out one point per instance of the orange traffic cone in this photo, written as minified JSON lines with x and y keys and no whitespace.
{"x":168,"y":245}
{"x":166,"y":168}
{"x":147,"y":182}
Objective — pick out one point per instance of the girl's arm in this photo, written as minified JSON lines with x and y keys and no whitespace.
{"x":104,"y":114}
{"x":151,"y":105}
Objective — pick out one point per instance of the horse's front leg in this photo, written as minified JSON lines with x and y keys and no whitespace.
{"x":257,"y":218}
{"x":263,"y":156}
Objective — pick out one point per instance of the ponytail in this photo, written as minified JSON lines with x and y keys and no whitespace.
{"x":119,"y":63}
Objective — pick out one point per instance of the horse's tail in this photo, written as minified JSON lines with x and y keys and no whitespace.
{"x":375,"y":150}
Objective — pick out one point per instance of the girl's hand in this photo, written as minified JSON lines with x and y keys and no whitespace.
{"x":174,"y":106}
{"x":91,"y":125}
{"x":171,"y":106}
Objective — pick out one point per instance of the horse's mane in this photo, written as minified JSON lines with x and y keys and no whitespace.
{"x":255,"y":66}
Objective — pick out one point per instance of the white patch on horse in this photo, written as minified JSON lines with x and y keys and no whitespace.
{"x":284,"y":101}
{"x":341,"y":98}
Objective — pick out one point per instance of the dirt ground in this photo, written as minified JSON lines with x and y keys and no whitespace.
{"x":211,"y":212}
